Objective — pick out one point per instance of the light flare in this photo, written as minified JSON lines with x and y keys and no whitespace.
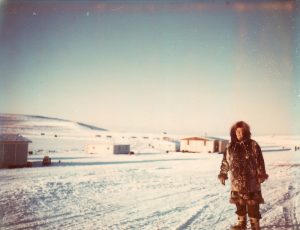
{"x":266,"y":6}
{"x":2,"y":4}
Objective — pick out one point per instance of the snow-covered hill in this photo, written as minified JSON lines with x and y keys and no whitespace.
{"x":49,"y":135}
{"x":42,"y":125}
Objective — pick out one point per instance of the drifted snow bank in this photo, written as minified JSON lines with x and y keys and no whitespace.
{"x":159,"y":191}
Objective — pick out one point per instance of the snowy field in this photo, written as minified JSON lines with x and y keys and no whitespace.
{"x":141,"y":191}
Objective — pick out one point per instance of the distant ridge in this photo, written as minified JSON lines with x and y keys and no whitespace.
{"x":37,"y":124}
{"x":43,"y":117}
{"x":91,"y":126}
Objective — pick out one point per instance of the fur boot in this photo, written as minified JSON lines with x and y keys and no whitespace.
{"x":254,"y":223}
{"x":241,"y":223}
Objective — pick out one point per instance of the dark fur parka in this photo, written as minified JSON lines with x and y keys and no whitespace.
{"x":243,"y":160}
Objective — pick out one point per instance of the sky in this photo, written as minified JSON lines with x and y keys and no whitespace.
{"x":192,"y":67}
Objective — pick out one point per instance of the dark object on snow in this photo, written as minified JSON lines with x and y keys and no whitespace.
{"x":46,"y":161}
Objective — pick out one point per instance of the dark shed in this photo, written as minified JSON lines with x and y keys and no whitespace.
{"x":13,"y":150}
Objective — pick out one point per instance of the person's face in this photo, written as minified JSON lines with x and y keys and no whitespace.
{"x":239,"y":134}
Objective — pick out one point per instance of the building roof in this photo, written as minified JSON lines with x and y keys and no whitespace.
{"x":13,"y":138}
{"x":203,"y":139}
{"x":107,"y":144}
{"x":217,"y":138}
{"x":195,"y":139}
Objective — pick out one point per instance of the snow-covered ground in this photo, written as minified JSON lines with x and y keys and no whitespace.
{"x":141,"y":191}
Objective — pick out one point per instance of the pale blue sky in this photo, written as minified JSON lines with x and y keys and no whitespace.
{"x":189,"y":68}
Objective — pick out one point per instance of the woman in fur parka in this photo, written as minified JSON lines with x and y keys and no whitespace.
{"x":244,"y":161}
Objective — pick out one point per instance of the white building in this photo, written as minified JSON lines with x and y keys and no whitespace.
{"x":107,"y":148}
{"x":167,"y":146}
{"x":202,"y":144}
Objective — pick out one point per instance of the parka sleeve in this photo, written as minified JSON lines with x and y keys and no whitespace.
{"x":224,"y":166}
{"x":261,"y":170}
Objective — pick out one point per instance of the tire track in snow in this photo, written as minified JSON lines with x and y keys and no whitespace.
{"x":192,"y":219}
{"x":36,"y":207}
{"x":289,"y":213}
{"x":189,"y":222}
{"x":163,"y":215}
{"x":289,"y":210}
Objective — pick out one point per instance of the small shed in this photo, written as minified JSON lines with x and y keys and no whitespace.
{"x":202,"y":144}
{"x":108,"y":148}
{"x":220,"y":144}
{"x":13,"y":150}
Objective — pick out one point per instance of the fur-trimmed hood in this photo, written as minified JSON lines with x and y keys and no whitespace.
{"x":246,"y":131}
